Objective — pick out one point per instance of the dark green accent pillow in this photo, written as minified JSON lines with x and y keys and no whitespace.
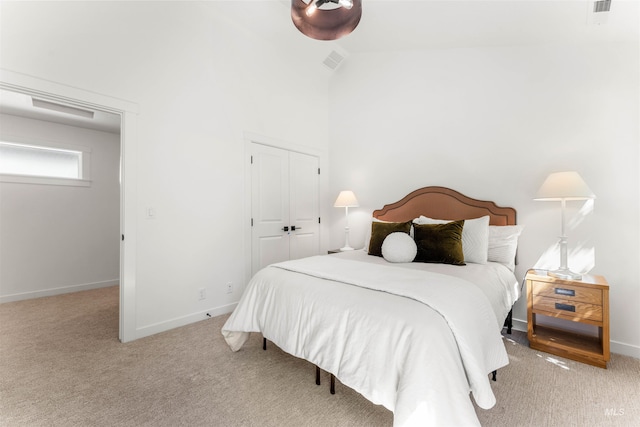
{"x":441,"y":243}
{"x":380,"y":230}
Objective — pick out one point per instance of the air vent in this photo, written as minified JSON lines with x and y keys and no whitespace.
{"x":601,"y":6}
{"x":333,"y":60}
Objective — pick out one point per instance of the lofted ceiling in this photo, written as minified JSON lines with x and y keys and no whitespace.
{"x":427,"y":24}
{"x":401,"y":25}
{"x":397,"y":25}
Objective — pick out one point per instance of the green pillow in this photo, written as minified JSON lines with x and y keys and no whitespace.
{"x":441,"y":243}
{"x":380,"y":230}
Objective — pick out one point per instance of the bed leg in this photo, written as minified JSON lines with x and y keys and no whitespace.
{"x":332,"y":389}
{"x":509,"y":321}
{"x":264,"y":343}
{"x":317,"y":375}
{"x":493,"y":375}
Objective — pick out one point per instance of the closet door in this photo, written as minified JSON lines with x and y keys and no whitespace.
{"x":304,"y":211}
{"x":284,"y":206}
{"x":269,"y":206}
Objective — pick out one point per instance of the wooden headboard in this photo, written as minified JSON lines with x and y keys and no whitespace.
{"x":444,"y":203}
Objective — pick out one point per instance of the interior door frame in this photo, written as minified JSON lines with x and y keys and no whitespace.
{"x":128,"y":111}
{"x":254,"y":138}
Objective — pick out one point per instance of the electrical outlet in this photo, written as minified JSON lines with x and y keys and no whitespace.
{"x":202,"y":294}
{"x":229,"y":287}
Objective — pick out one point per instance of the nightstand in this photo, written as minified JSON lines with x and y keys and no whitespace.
{"x":584,"y":301}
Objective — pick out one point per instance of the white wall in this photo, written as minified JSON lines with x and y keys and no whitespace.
{"x":492,"y":123}
{"x":489,"y":122}
{"x":56,"y":239}
{"x":201,"y":81}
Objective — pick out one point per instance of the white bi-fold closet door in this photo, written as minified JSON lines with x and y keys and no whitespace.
{"x":284,"y":205}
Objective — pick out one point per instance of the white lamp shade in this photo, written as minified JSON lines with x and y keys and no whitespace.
{"x":346,"y":199}
{"x":564,"y":185}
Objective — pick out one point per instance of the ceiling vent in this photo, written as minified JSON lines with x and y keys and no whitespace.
{"x":596,"y":12}
{"x":333,"y":60}
{"x":601,"y":6}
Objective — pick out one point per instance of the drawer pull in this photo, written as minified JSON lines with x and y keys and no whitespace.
{"x":568,"y":292}
{"x":565,"y":307}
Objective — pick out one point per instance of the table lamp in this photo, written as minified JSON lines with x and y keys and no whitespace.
{"x":346,"y":199}
{"x":563,"y":186}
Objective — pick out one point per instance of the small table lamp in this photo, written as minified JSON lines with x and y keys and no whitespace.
{"x":346,"y":199}
{"x":563,"y":186}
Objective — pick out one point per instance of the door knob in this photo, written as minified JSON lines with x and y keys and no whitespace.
{"x":285,"y":228}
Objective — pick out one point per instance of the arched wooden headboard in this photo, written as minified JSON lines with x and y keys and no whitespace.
{"x":444,"y":203}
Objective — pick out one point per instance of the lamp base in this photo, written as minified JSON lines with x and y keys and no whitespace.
{"x":346,"y":248}
{"x":564,"y":273}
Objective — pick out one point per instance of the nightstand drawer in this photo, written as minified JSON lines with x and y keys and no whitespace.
{"x":568,"y":309}
{"x":568,"y":292}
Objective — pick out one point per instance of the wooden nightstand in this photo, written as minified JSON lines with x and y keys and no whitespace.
{"x":584,"y":301}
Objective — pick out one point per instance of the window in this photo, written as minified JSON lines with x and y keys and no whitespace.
{"x":39,"y":164}
{"x":18,"y":159}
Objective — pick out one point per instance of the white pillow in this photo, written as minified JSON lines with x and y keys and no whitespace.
{"x":426,"y":220}
{"x":399,"y":247}
{"x":475,"y":237}
{"x":503,"y":243}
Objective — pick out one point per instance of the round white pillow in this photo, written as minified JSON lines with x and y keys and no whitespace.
{"x":399,"y":247}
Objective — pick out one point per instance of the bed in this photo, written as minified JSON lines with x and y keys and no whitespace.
{"x":419,"y":338}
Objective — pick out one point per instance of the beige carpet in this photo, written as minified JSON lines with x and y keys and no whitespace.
{"x":61,"y":364}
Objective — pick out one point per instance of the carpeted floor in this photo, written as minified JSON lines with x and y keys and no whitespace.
{"x":61,"y":364}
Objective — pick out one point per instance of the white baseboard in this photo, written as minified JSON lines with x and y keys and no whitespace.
{"x":57,"y":291}
{"x":625,"y":349}
{"x":520,"y":325}
{"x":177,"y":322}
{"x":616,"y":347}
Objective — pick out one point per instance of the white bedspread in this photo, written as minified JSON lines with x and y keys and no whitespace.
{"x":497,"y":283}
{"x":413,"y":341}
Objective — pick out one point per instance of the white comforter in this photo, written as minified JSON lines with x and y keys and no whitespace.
{"x":414,"y":341}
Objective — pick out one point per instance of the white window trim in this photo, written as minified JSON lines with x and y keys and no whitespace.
{"x":44,"y":180}
{"x":85,"y":181}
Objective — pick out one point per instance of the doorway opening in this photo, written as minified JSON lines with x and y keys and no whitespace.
{"x":124,"y":114}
